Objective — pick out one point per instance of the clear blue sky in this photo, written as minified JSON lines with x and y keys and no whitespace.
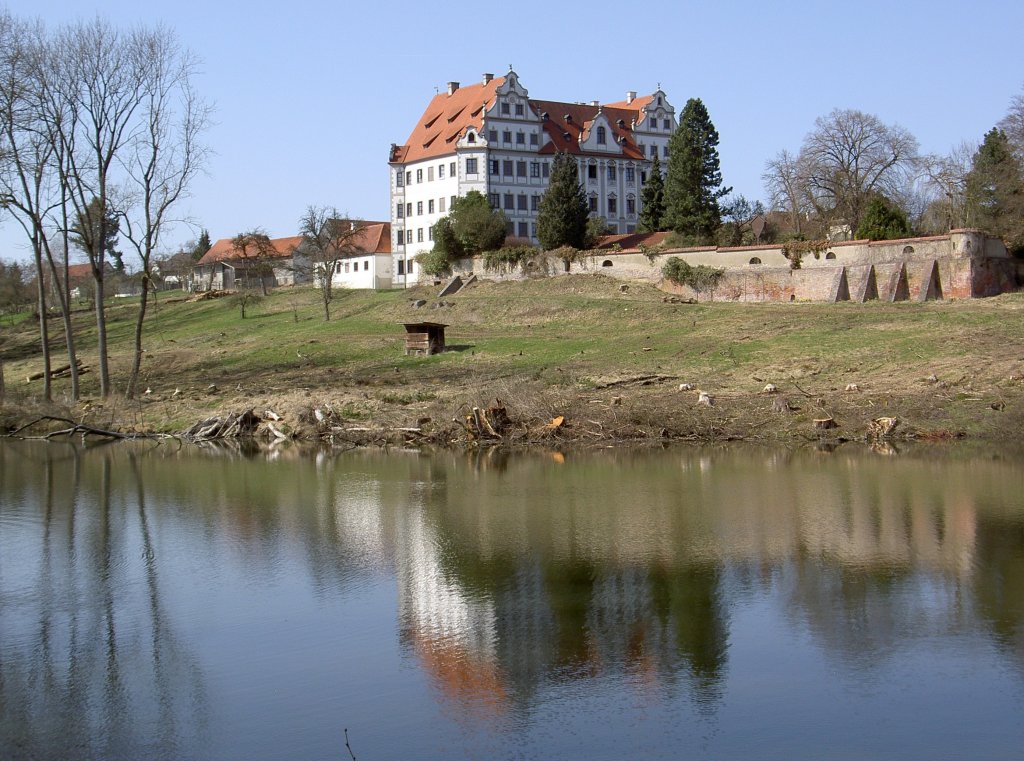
{"x":309,"y":96}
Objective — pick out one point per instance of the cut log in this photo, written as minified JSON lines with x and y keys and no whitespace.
{"x":825,"y":423}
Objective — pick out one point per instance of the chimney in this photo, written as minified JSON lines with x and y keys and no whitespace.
{"x":452,"y":87}
{"x":595,"y":103}
{"x":488,"y":78}
{"x":630,"y":96}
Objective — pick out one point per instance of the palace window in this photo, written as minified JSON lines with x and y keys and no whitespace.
{"x":470,"y":166}
{"x":601,"y":136}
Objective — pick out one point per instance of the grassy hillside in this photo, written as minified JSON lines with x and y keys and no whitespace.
{"x":567,"y":345}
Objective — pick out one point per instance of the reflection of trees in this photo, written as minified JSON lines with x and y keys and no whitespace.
{"x":999,"y":583}
{"x":591,"y":569}
{"x":93,"y":672}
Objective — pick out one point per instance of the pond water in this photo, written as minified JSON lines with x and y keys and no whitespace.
{"x":159,"y":602}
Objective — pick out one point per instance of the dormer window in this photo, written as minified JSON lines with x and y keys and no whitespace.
{"x":471,"y":137}
{"x":602,"y":136}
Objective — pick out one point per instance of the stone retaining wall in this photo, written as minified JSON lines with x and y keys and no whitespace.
{"x":963,"y":264}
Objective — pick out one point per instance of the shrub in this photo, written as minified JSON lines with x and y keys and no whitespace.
{"x":700,"y":278}
{"x":434,"y":262}
{"x":507,"y":258}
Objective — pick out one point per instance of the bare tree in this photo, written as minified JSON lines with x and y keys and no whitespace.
{"x":945,"y":178}
{"x":163,"y":159}
{"x":785,"y":190}
{"x":327,"y":239}
{"x":850,"y":156}
{"x":257,"y":253}
{"x":26,"y":190}
{"x":1013,"y":125}
{"x":100,"y":84}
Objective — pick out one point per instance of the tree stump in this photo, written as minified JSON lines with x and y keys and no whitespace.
{"x":825,"y":423}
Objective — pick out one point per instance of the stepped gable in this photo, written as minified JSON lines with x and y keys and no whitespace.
{"x":446,"y":119}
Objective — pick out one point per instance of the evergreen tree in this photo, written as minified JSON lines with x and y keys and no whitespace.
{"x":883,"y":221}
{"x":652,"y":200}
{"x":475,"y":225}
{"x":470,"y":228}
{"x":694,"y":182}
{"x":562,"y":217}
{"x":995,"y":190}
{"x":202,"y":245}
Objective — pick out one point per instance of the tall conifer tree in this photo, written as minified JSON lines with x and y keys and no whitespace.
{"x":995,"y":190}
{"x":562,"y":217}
{"x":652,"y":200}
{"x":694,"y":182}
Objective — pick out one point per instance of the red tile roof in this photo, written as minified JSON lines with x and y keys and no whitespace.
{"x":223,"y":249}
{"x":446,"y":120}
{"x":632,"y":240}
{"x":371,"y":238}
{"x":447,"y":117}
{"x":565,"y":132}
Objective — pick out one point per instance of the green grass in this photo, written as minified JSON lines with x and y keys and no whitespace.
{"x":561,"y":333}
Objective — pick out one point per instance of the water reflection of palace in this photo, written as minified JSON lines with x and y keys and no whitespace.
{"x":523,"y":576}
{"x":515,"y":576}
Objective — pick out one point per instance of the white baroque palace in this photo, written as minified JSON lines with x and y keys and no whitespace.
{"x":493,"y":138}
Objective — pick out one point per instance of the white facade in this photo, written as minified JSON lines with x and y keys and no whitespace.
{"x":501,"y":143}
{"x":370,"y":271}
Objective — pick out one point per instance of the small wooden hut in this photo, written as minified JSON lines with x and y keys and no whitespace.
{"x":424,"y":337}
